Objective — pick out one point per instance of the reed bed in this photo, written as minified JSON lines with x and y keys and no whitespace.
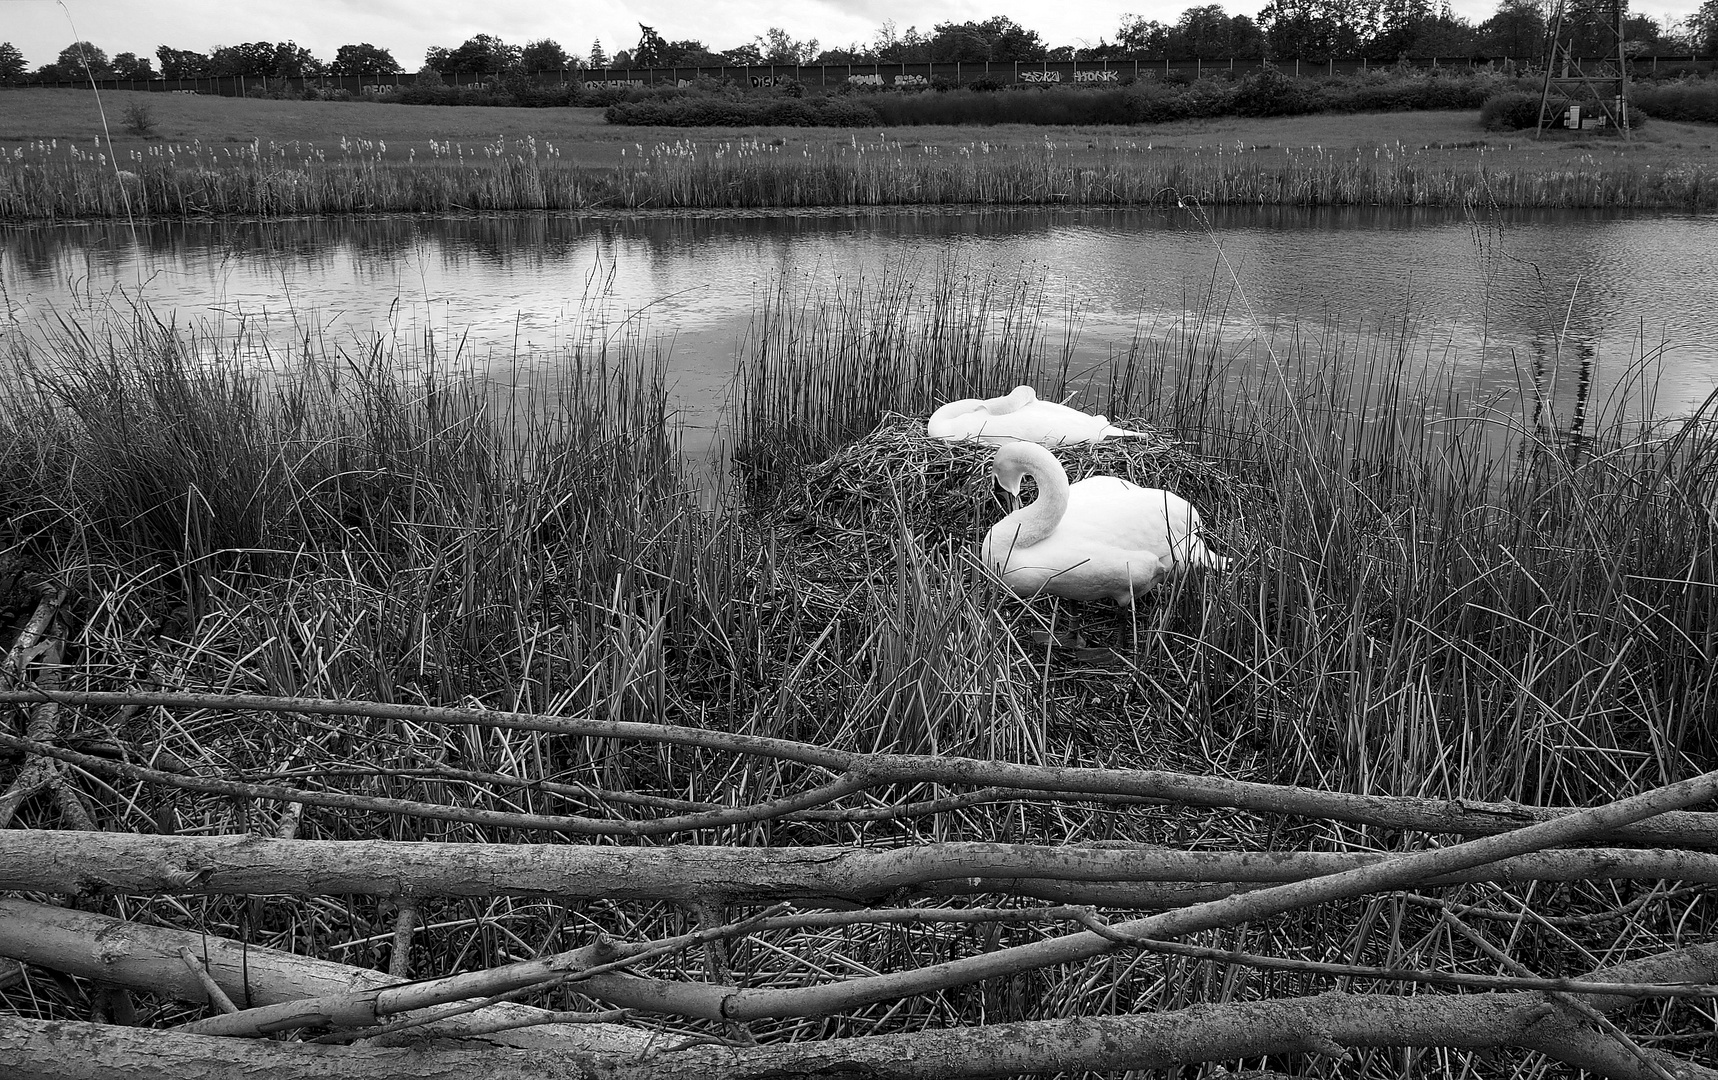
{"x":48,"y":181}
{"x":1431,"y":596}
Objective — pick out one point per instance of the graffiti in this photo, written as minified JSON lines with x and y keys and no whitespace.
{"x":1097,"y":76}
{"x":770,"y":80}
{"x":865,"y":80}
{"x":598,"y":84}
{"x":1041,"y":76}
{"x":684,"y":83}
{"x":912,"y":80}
{"x":376,"y":88}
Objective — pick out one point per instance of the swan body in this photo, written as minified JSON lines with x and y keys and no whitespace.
{"x":1020,"y":416}
{"x":1102,"y":538}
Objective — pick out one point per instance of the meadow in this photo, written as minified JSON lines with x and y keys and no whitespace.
{"x":247,"y":156}
{"x":1433,"y":598}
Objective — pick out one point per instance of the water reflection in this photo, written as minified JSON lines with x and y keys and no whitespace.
{"x":1557,"y":305}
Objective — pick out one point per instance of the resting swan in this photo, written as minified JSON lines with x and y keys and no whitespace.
{"x":1020,"y":415}
{"x":1103,"y":537}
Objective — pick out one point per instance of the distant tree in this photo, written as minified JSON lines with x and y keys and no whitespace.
{"x":655,"y":51}
{"x":599,"y":59}
{"x":1703,"y":28}
{"x":363,"y":59}
{"x":1146,"y":39}
{"x":999,"y":38}
{"x":748,"y":55}
{"x":131,"y":66}
{"x":483,"y":54}
{"x":621,"y":59}
{"x":81,"y":60}
{"x":544,"y":55}
{"x":777,"y":47}
{"x":1515,"y":30}
{"x":12,"y":66}
{"x":264,"y":60}
{"x":911,"y":47}
{"x":181,"y":63}
{"x":1315,"y":28}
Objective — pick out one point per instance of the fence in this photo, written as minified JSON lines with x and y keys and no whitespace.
{"x":897,"y":76}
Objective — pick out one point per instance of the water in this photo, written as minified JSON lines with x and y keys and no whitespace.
{"x":1569,"y":300}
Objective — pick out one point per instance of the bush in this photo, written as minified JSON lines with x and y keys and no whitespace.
{"x":1693,"y":100}
{"x":1510,"y":111}
{"x":1269,"y":92}
{"x":710,"y":111}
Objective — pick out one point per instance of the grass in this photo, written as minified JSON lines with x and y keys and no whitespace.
{"x":1433,"y":597}
{"x":241,"y":156}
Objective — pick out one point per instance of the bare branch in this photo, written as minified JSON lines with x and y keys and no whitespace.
{"x":1688,"y":830}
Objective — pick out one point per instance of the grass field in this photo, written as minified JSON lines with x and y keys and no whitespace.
{"x":1443,"y":151}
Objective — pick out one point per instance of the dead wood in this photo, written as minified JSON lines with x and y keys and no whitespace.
{"x":146,"y":959}
{"x":1697,"y":831}
{"x":1143,"y":877}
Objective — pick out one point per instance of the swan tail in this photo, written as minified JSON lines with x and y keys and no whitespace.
{"x":1200,"y":555}
{"x":1110,"y":431}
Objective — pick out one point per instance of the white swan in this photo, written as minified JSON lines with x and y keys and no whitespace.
{"x":1103,"y":537}
{"x":1021,"y":416}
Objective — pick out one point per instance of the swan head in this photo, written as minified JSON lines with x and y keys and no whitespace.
{"x":1013,"y":401}
{"x":1017,"y":460}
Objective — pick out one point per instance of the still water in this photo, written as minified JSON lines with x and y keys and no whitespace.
{"x":1572,"y":300}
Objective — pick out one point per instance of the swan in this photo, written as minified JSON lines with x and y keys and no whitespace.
{"x":1103,"y":537}
{"x":1019,"y":415}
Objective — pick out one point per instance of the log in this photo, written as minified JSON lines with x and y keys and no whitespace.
{"x":1325,"y":1024}
{"x":78,"y":863}
{"x":146,"y":958}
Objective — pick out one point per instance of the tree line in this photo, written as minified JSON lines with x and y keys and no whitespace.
{"x":1379,"y":30}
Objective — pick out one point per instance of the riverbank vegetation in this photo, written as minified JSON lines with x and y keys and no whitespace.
{"x":1433,"y":597}
{"x":1212,"y":161}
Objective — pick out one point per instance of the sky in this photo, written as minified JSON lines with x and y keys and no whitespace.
{"x":406,"y":28}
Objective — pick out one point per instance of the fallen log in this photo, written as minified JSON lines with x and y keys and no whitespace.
{"x":1146,"y":877}
{"x":146,"y":958}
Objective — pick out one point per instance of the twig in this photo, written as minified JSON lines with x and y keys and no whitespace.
{"x":217,"y":997}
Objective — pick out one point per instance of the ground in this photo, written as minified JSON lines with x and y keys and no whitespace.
{"x":582,"y":136}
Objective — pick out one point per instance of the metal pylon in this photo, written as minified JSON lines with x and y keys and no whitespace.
{"x":1598,"y":83}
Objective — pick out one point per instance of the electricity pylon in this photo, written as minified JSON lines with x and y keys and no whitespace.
{"x":1599,"y":85}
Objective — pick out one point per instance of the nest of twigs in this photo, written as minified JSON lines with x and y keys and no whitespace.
{"x":899,"y":481}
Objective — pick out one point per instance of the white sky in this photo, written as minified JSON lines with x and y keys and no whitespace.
{"x":406,"y":28}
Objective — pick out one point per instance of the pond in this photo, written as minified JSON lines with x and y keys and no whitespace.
{"x":1570,"y":300}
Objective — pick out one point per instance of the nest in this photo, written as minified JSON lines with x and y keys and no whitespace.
{"x":899,"y":481}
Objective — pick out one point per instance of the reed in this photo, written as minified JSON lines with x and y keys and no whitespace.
{"x":49,"y":181}
{"x":1433,"y":596}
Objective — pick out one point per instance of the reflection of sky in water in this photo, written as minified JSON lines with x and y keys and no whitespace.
{"x":1540,"y":290}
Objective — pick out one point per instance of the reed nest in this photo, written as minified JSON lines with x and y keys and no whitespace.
{"x":897,"y":481}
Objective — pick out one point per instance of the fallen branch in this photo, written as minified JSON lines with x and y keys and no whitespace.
{"x":1684,"y":830}
{"x":146,"y":958}
{"x":56,"y":861}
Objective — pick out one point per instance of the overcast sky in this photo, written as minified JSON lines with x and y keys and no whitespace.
{"x":407,"y":27}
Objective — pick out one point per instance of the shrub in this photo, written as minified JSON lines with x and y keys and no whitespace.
{"x":1510,"y":111}
{"x":139,"y":120}
{"x":709,"y":111}
{"x":1691,"y":100}
{"x":1269,"y":92}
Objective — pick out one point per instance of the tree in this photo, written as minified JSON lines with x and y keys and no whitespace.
{"x":999,"y":39}
{"x":655,"y":51}
{"x":599,"y":59}
{"x":1703,"y":28}
{"x":1145,"y":39}
{"x":1516,"y":30}
{"x":82,"y":60}
{"x":181,"y":63}
{"x":749,"y":55}
{"x":131,"y":66}
{"x":12,"y":66}
{"x":263,"y":60}
{"x":544,"y":55}
{"x":1315,"y":28}
{"x":777,"y":47}
{"x":363,"y":59}
{"x":483,"y":54}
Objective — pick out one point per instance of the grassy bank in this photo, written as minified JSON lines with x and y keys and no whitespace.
{"x":234,"y":156}
{"x":1471,"y":608}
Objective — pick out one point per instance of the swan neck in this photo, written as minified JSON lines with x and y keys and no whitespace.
{"x":1039,"y":519}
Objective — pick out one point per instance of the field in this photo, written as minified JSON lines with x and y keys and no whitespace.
{"x":225,"y":155}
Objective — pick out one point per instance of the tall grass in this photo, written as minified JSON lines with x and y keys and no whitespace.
{"x":1431,"y":596}
{"x":54,"y":182}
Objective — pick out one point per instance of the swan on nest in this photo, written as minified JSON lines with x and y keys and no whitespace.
{"x":1102,"y":538}
{"x":1019,"y":415}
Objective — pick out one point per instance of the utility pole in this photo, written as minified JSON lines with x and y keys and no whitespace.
{"x":1597,"y":86}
